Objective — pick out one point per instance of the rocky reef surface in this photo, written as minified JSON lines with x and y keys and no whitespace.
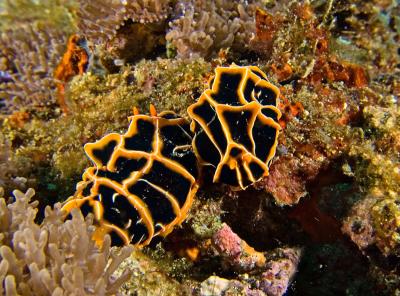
{"x":326,"y":221}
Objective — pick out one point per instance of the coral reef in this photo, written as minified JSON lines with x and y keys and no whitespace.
{"x":386,"y":222}
{"x":33,"y":38}
{"x":375,"y":219}
{"x":124,"y":31}
{"x":287,"y":183}
{"x":268,"y":273}
{"x":359,"y":223}
{"x":333,"y":186}
{"x":207,"y":220}
{"x":354,"y":73}
{"x":8,"y":177}
{"x":279,"y":272}
{"x":56,"y":257}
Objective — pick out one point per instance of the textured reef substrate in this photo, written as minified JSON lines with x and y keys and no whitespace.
{"x":326,"y":221}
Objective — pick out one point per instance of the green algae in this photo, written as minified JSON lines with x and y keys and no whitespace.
{"x":317,"y":125}
{"x":375,"y":170}
{"x":367,"y":145}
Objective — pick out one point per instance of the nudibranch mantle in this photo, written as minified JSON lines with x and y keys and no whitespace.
{"x":142,"y":183}
{"x":236,"y":128}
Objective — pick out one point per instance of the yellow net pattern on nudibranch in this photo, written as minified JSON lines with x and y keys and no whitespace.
{"x":236,"y":125}
{"x":142,"y":183}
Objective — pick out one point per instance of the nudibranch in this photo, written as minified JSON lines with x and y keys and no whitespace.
{"x":142,"y":183}
{"x":236,"y":127}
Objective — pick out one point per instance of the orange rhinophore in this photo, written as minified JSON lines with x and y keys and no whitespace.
{"x":136,"y":111}
{"x":236,"y":125}
{"x":74,"y":62}
{"x":142,"y":183}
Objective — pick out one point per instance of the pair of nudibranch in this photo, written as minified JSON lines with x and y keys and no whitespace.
{"x":143,"y":182}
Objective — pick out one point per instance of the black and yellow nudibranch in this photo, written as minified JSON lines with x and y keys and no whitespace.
{"x":142,"y":183}
{"x":236,"y":125}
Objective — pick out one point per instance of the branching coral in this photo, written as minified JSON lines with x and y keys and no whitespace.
{"x":202,"y":27}
{"x":56,"y":257}
{"x":29,"y":55}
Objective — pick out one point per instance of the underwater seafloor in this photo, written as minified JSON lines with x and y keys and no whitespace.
{"x":326,"y":221}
